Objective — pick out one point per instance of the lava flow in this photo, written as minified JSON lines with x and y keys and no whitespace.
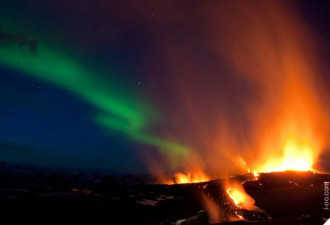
{"x":241,"y":199}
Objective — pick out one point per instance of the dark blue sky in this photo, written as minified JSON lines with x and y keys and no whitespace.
{"x":43,"y":124}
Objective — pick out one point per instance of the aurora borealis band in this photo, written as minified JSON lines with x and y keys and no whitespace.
{"x":118,"y":114}
{"x":161,"y":87}
{"x":115,"y":112}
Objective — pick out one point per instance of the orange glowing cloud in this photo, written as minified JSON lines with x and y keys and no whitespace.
{"x":244,"y":82}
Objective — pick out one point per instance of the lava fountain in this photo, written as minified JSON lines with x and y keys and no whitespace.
{"x":258,"y":94}
{"x":184,"y":178}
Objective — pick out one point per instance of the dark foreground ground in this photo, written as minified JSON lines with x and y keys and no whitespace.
{"x":32,"y":195}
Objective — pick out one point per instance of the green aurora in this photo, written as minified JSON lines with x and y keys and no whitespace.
{"x":115,"y":111}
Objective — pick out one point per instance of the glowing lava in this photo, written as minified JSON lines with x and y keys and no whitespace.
{"x":181,"y":178}
{"x":296,"y":156}
{"x":256,"y":175}
{"x":241,"y":199}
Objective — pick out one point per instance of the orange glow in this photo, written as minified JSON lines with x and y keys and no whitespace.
{"x":241,"y":199}
{"x":255,"y":101}
{"x":296,"y":156}
{"x":196,"y":177}
{"x":213,"y":210}
{"x":268,"y":114}
{"x":256,"y":175}
{"x":295,"y":140}
{"x":289,"y":121}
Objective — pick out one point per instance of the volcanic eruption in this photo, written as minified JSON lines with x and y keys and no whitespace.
{"x":226,"y":103}
{"x":271,"y":53}
{"x":282,"y":124}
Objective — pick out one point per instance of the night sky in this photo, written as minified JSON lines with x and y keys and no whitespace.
{"x":112,"y":84}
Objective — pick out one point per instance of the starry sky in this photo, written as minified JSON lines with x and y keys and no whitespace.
{"x":107,"y":84}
